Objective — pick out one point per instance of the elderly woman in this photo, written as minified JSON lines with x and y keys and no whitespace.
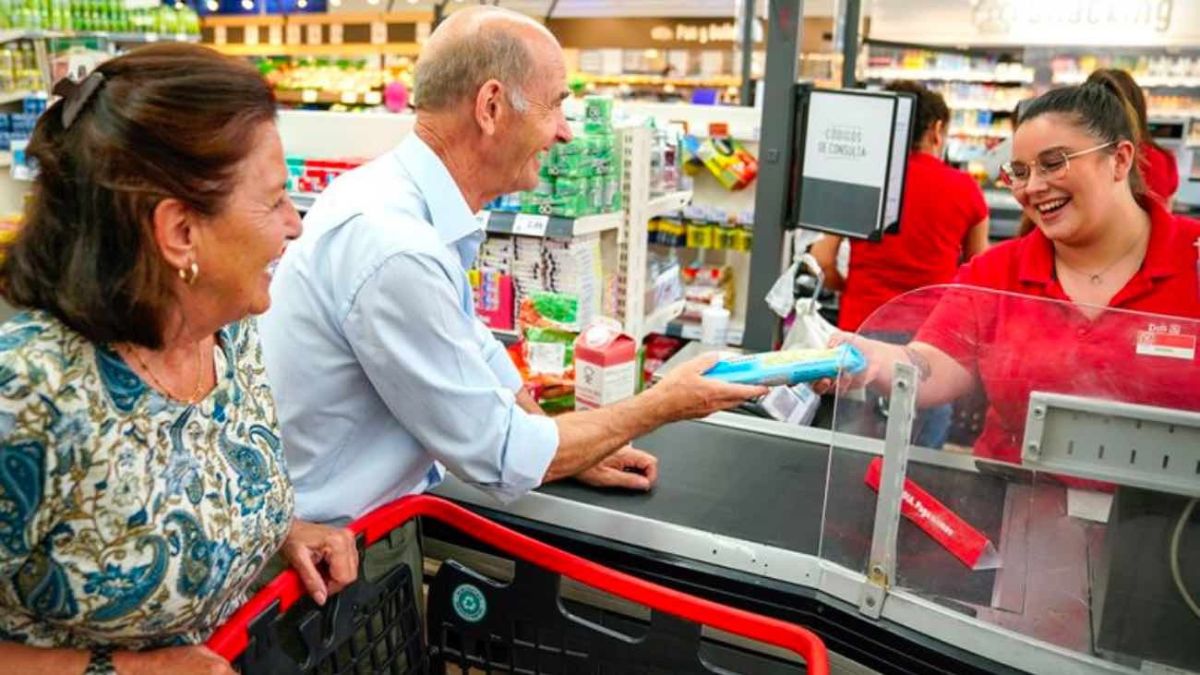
{"x":142,"y":482}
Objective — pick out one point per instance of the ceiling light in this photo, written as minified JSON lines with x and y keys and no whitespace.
{"x":247,"y":4}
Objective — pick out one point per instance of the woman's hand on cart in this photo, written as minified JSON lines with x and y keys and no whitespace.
{"x":326,"y":558}
{"x":191,"y":660}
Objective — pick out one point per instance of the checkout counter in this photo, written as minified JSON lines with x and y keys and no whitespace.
{"x":1085,"y":537}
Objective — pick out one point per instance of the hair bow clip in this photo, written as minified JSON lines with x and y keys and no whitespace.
{"x":76,"y":95}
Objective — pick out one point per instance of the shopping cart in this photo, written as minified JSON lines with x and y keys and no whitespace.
{"x":475,"y":624}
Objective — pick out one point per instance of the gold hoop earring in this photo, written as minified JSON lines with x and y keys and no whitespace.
{"x":188,"y":274}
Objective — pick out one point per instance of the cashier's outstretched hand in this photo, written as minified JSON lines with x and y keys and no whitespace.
{"x":627,"y":468}
{"x":325,"y":557}
{"x":688,"y":394}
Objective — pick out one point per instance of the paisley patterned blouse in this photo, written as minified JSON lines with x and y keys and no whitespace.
{"x":128,"y":519}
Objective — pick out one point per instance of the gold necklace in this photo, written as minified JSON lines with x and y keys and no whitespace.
{"x":1097,"y":278}
{"x":196,"y":393}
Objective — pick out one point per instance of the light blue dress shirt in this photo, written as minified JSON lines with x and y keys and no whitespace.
{"x":382,"y":373}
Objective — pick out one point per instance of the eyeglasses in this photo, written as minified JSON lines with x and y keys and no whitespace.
{"x":1050,"y":164}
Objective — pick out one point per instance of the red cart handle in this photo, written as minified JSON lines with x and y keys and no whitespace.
{"x":231,"y":638}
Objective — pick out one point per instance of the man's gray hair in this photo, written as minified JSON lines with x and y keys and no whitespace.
{"x":464,"y":61}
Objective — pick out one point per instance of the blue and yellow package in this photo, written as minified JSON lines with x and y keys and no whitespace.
{"x":789,"y":367}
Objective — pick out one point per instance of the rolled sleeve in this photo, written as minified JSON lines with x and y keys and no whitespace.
{"x":420,"y":349}
{"x":497,"y":357}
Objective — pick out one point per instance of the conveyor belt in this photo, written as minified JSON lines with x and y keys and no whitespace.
{"x":771,"y":490}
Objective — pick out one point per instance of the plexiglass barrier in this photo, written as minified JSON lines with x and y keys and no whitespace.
{"x":1072,"y":521}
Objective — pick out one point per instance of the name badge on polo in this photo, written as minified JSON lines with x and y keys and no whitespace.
{"x":1166,"y":340}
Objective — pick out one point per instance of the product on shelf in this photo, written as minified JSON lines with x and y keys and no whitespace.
{"x":109,"y":16}
{"x":663,"y":281}
{"x":605,"y":365}
{"x":18,"y":126}
{"x":702,"y":284}
{"x":659,"y":350}
{"x":493,"y":293}
{"x":703,"y":227}
{"x":314,"y":175}
{"x":728,"y":160}
{"x":548,"y":325}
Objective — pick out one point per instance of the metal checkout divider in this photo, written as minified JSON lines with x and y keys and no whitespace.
{"x":1079,"y":554}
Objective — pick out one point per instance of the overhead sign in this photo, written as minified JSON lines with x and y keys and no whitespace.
{"x":1037,"y":22}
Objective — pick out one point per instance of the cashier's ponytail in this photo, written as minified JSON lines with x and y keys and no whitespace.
{"x":1101,"y":108}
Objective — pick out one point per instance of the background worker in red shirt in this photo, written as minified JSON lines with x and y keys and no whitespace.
{"x":1158,"y":166}
{"x":944,"y":220}
{"x":1099,"y":245}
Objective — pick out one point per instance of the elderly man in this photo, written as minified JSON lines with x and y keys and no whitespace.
{"x":382,"y":373}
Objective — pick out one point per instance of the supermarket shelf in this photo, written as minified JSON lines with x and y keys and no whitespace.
{"x":981,"y":132}
{"x":1143,"y":80}
{"x":555,"y":227}
{"x":690,"y":330}
{"x":661,"y":318}
{"x":1020,"y":77}
{"x":10,"y":35}
{"x":1172,"y":113}
{"x":14,"y":96}
{"x":658,"y":80}
{"x":980,"y":105}
{"x":328,"y":97}
{"x":668,"y":203}
{"x":358,"y":49}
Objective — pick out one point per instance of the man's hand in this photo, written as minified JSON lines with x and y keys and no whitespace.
{"x":687,"y":394}
{"x":308,"y":545}
{"x":627,"y":468}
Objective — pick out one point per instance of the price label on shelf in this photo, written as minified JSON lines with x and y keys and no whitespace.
{"x":483,"y":217}
{"x":349,"y":97}
{"x":378,"y":33}
{"x":314,"y":33}
{"x":309,"y":96}
{"x":372,"y":97}
{"x":530,"y":225}
{"x":293,"y":34}
{"x":220,"y":36}
{"x":275,"y":35}
{"x":251,"y":35}
{"x":335,"y":34}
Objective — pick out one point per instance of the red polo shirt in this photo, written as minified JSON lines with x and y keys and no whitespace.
{"x":1141,"y":350}
{"x":1159,"y":170}
{"x":940,"y":205}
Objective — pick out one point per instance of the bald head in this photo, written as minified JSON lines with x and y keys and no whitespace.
{"x":475,"y":45}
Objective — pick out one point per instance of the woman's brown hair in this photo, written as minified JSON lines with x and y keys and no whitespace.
{"x":1100,"y":108}
{"x":165,"y":121}
{"x":1123,"y":82}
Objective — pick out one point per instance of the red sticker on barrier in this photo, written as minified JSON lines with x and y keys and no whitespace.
{"x":945,"y":526}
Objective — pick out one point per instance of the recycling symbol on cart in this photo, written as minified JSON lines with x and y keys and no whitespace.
{"x":469,"y":603}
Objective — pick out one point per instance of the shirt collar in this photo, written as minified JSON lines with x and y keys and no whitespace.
{"x":1163,"y":257}
{"x":448,"y":210}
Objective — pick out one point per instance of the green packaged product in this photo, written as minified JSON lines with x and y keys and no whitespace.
{"x":575,"y":206}
{"x":545,"y":188}
{"x":597,"y":113}
{"x":569,"y":187}
{"x":574,"y":166}
{"x":595,"y":193}
{"x":536,"y":204}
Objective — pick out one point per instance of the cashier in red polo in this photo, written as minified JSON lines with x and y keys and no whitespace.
{"x":1079,"y":305}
